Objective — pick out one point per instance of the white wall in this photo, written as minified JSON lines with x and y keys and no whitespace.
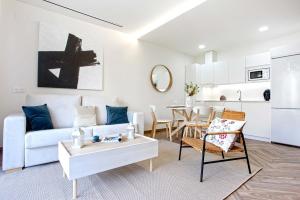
{"x":127,"y":63}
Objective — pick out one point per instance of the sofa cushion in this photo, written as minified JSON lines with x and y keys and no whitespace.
{"x":37,"y":118}
{"x":61,"y":107}
{"x":36,"y":139}
{"x":116,"y":115}
{"x":107,"y":130}
{"x":85,"y":116}
{"x":100,"y":103}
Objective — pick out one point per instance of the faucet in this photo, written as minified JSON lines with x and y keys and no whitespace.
{"x":240,"y":94}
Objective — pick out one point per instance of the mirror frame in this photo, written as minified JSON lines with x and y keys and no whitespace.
{"x":170,"y":75}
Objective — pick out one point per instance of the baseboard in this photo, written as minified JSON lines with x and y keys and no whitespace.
{"x":257,"y":138}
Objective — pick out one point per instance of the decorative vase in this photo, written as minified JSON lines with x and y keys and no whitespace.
{"x":188,"y":101}
{"x":131,"y":131}
{"x":78,"y":138}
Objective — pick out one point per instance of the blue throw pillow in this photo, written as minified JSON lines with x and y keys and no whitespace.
{"x":116,"y":115}
{"x":37,"y":118}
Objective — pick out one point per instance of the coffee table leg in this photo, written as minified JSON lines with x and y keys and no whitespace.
{"x":74,"y":188}
{"x":151,"y":165}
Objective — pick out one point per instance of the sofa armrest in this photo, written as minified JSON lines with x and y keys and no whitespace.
{"x":14,"y":130}
{"x":137,"y":118}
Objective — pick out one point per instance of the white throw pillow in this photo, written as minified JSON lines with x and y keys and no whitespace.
{"x":224,"y":141}
{"x":85,"y":116}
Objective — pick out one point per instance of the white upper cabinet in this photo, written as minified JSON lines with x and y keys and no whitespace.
{"x":236,"y":70}
{"x":205,"y":74}
{"x":220,"y":73}
{"x":191,"y":73}
{"x":258,"y":59}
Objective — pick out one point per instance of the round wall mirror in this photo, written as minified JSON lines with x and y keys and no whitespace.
{"x":161,"y":78}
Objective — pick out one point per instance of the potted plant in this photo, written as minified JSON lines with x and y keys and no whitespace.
{"x":191,"y":90}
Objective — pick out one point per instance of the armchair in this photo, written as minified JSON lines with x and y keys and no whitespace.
{"x":205,"y":146}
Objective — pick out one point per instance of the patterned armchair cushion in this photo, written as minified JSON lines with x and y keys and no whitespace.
{"x":224,"y":141}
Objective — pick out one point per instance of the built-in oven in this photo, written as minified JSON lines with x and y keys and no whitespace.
{"x":261,"y":73}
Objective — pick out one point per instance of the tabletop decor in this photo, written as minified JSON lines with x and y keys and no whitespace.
{"x":131,"y":131}
{"x":191,"y":90}
{"x":78,"y":138}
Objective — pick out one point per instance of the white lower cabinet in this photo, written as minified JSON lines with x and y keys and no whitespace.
{"x":258,"y":117}
{"x":235,"y":106}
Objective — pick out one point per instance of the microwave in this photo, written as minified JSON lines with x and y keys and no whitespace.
{"x":261,"y":73}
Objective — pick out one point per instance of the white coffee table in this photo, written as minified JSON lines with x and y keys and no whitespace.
{"x":99,"y":157}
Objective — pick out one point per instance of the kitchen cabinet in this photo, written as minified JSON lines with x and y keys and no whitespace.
{"x":258,"y":117}
{"x":205,"y":74}
{"x":220,"y":73}
{"x":236,"y":106}
{"x":258,"y":59}
{"x":236,"y":70}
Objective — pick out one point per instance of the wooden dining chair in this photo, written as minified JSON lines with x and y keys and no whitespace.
{"x":197,"y":125}
{"x":204,"y":146}
{"x":156,"y":122}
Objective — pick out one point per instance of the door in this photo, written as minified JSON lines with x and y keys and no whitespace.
{"x":258,"y":117}
{"x":220,"y":73}
{"x":206,"y":74}
{"x":236,"y":70}
{"x":258,"y":59}
{"x":286,"y":82}
{"x":285,"y":128}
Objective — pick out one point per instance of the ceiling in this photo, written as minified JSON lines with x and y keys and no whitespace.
{"x":223,"y":24}
{"x":131,"y":14}
{"x":219,"y":24}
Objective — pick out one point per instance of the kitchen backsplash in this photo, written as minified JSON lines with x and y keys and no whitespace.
{"x":250,"y":91}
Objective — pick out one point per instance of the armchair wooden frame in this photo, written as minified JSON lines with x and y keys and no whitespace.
{"x":204,"y":146}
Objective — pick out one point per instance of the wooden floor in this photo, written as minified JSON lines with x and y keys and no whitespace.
{"x":280,"y":177}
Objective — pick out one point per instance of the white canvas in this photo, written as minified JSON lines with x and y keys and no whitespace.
{"x":56,"y":61}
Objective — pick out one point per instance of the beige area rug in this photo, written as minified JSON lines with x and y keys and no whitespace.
{"x":171,"y":179}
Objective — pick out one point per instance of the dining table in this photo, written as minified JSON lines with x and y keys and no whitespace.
{"x":184,"y":112}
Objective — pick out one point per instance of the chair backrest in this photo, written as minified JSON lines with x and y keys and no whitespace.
{"x":211,"y":116}
{"x":153,"y":109}
{"x":234,"y":115}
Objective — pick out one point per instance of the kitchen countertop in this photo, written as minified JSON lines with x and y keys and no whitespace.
{"x":245,"y":101}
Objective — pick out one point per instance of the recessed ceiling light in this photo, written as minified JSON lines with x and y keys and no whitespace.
{"x":202,"y":46}
{"x":263,"y":28}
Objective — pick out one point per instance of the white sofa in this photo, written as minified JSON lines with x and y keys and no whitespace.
{"x":21,"y":148}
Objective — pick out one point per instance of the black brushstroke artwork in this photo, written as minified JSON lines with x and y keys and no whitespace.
{"x":69,"y":63}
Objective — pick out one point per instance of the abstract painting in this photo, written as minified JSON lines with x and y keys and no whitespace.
{"x":69,"y":60}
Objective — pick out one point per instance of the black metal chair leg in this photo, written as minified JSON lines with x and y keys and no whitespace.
{"x":180,"y":149}
{"x":246,"y":153}
{"x":203,"y":157}
{"x":223,"y":155}
{"x":179,"y":157}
